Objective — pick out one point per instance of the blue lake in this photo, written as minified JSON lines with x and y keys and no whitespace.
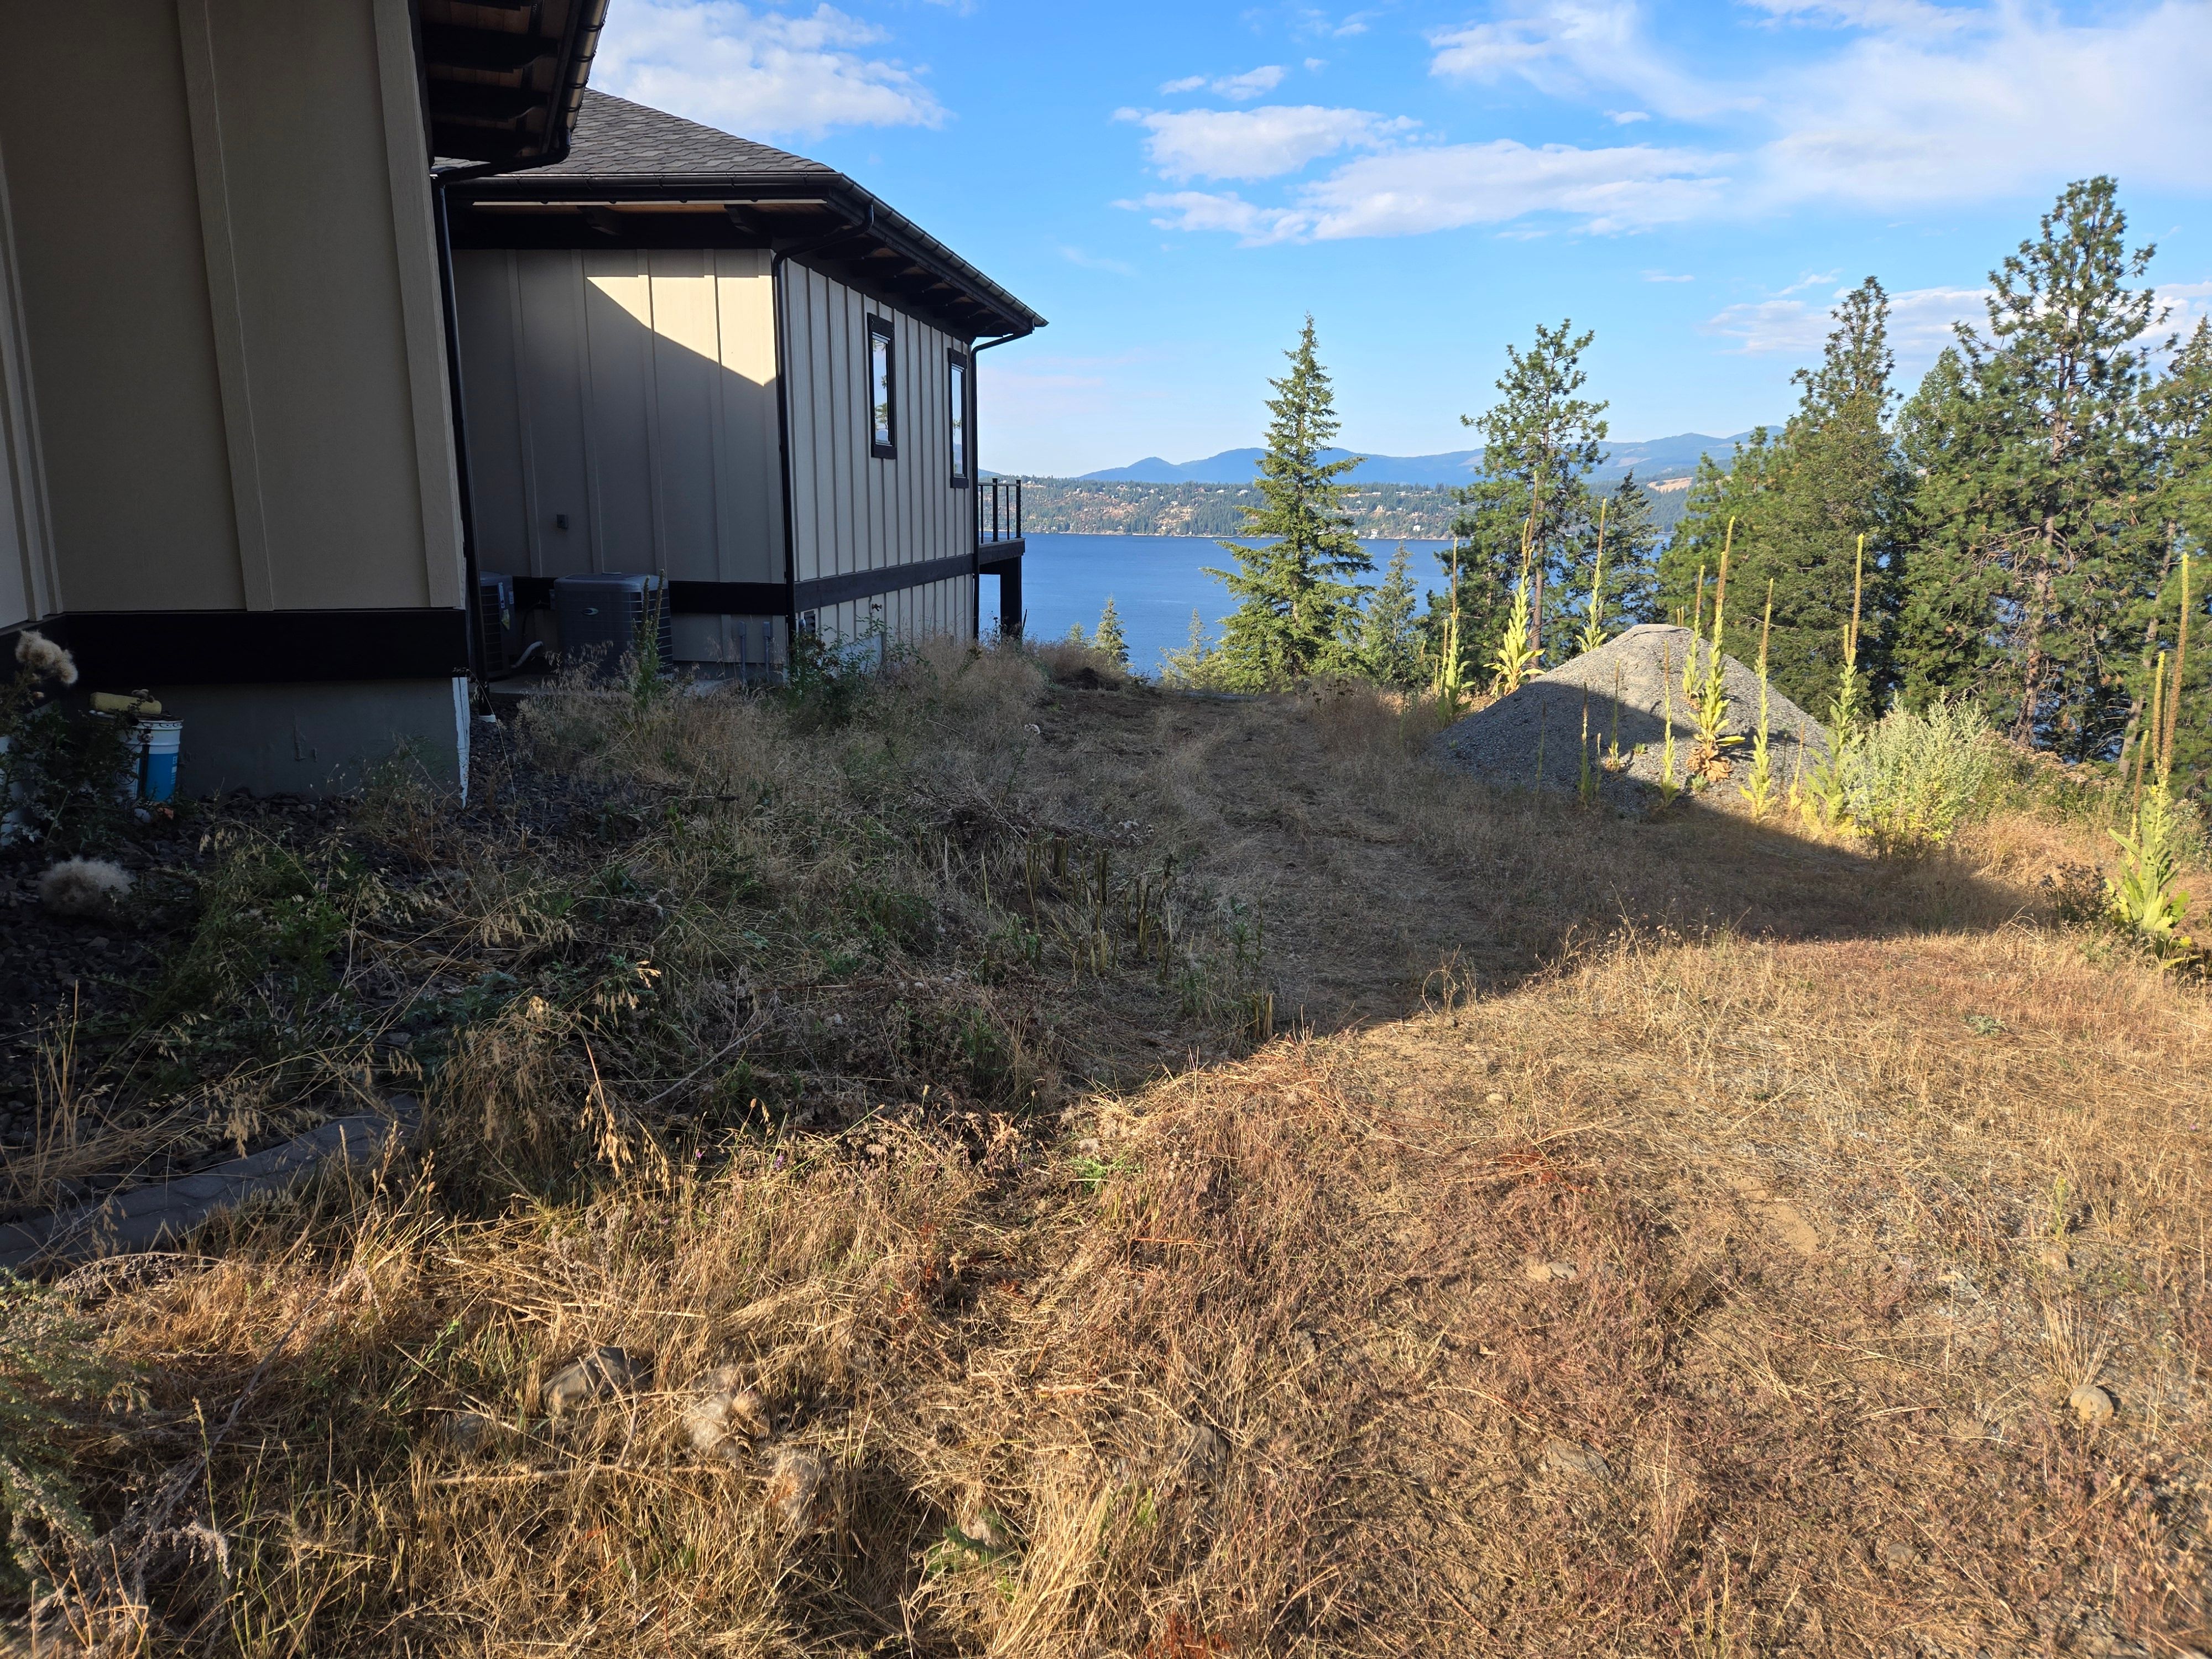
{"x":1155,"y":582}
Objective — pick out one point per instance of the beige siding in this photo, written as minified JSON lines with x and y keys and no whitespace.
{"x":26,"y":573}
{"x":230,"y":300}
{"x":851,"y":511}
{"x":633,"y":393}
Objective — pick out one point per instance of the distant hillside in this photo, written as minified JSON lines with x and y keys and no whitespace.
{"x":1117,"y":506}
{"x":1653,"y":458}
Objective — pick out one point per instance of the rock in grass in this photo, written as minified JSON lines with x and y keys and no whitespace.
{"x":1573,"y":1461}
{"x":2054,"y":1256}
{"x":1897,"y":1554}
{"x":2091,"y":1404}
{"x":1540,"y":1272}
{"x":723,"y":1415}
{"x":599,"y":1375}
{"x":84,"y":887}
{"x":1629,"y":684}
{"x":795,"y":1488}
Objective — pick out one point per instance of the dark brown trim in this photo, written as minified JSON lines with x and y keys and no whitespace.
{"x":880,"y":328}
{"x":1005,"y":550}
{"x":124,"y":649}
{"x":687,"y":598}
{"x":892,"y":578}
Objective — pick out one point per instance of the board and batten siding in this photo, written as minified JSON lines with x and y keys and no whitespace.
{"x":852,"y":511}
{"x":632,"y":394}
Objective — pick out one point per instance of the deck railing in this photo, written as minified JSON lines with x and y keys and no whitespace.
{"x":998,"y":511}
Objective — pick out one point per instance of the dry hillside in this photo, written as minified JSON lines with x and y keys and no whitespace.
{"x":1092,"y":1171}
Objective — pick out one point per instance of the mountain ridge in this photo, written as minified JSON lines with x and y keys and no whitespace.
{"x":1652,"y":459}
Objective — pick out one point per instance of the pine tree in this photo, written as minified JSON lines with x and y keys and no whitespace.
{"x":1298,"y":606}
{"x":1800,"y":501}
{"x":2180,"y":412}
{"x":2045,"y":491}
{"x":1109,"y":638}
{"x":1540,"y":442}
{"x":1391,"y":635}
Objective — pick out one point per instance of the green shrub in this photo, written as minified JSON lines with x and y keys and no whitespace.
{"x":1914,"y":778}
{"x":48,"y":1369}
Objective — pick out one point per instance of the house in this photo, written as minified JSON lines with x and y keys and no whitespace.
{"x":685,"y":352}
{"x":228,"y":459}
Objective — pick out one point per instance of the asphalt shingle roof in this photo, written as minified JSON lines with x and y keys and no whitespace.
{"x":617,"y":139}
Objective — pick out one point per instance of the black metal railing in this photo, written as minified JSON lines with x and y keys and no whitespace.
{"x":998,"y":511}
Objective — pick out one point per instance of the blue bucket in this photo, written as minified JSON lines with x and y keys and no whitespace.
{"x":158,"y":741}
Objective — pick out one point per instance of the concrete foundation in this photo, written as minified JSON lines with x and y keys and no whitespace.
{"x":317,"y":740}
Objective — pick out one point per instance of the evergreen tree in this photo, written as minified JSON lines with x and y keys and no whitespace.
{"x":1632,"y":570}
{"x":1800,"y":501}
{"x":1391,"y":640}
{"x":2045,"y":497}
{"x":2180,"y":412}
{"x":1298,"y":606}
{"x":1111,"y":639}
{"x":1540,"y":442}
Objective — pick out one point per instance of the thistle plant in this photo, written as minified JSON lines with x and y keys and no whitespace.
{"x":1827,"y":801}
{"x":1593,"y":635}
{"x":1758,"y":786}
{"x":2142,"y":894}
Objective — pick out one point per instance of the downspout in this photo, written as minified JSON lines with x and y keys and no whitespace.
{"x":777,"y":258}
{"x":569,"y":75}
{"x":976,"y":489}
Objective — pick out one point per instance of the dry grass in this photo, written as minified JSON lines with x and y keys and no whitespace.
{"x":1852,"y":1170}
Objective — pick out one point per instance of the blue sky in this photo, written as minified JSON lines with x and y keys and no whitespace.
{"x":1175,"y":185}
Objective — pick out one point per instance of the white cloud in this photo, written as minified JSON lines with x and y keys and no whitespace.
{"x":1254,"y":143}
{"x":1920,"y":323}
{"x":1403,"y":192}
{"x":1198,"y":210}
{"x":1088,"y":261}
{"x":1663,"y":276}
{"x":1252,"y":83}
{"x":1921,"y":104}
{"x":758,"y":72}
{"x":1567,"y":48}
{"x":1913,"y":104}
{"x":2012,"y":101}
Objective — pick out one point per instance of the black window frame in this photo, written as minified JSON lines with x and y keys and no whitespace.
{"x":960,"y":414}
{"x":880,"y":328}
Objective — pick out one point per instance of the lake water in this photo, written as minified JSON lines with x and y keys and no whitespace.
{"x":1156,"y":581}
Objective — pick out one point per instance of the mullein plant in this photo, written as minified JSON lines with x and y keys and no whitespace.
{"x":1826,"y":801}
{"x":1586,"y":785}
{"x":1708,"y":761}
{"x":1758,"y":786}
{"x":1516,"y":652}
{"x":1668,"y":788}
{"x":1697,"y":630}
{"x":2142,"y":895}
{"x":1451,"y":671}
{"x":1593,"y":634}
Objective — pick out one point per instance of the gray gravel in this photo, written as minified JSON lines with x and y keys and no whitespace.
{"x":1628,"y":685}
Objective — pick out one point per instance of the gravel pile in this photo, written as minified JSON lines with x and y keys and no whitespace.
{"x":1532,"y":738}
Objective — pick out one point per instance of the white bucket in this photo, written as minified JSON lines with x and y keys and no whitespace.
{"x":159,"y":743}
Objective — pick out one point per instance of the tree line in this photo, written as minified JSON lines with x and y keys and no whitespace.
{"x":2024,"y":512}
